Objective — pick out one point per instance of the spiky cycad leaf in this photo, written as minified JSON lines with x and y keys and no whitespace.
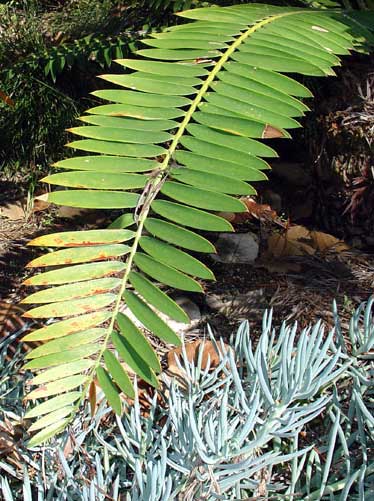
{"x":186,"y":128}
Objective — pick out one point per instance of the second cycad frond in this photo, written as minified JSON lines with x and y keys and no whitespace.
{"x":176,"y":144}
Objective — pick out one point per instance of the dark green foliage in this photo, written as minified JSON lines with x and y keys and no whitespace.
{"x":50,"y":54}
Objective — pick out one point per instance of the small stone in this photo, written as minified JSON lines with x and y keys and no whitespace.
{"x":236,"y":248}
{"x":191,"y":308}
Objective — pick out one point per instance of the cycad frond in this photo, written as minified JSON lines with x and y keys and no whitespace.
{"x":174,"y":146}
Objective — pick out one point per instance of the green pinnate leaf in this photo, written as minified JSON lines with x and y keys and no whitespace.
{"x":150,"y":319}
{"x":131,"y":356}
{"x":181,"y":137}
{"x":136,"y":339}
{"x":110,"y":390}
{"x":157,"y":297}
{"x":118,"y":374}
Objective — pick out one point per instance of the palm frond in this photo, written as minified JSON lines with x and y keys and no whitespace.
{"x":174,"y":145}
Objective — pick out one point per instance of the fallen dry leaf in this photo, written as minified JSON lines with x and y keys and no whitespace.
{"x":281,"y":245}
{"x":259,"y":211}
{"x":22,"y":208}
{"x":11,"y":433}
{"x":210,"y":356}
{"x":263,"y":212}
{"x":92,"y":398}
{"x":6,"y":442}
{"x":7,"y":100}
{"x":13,"y":211}
{"x":69,"y":212}
{"x":10,"y":318}
{"x":299,"y":241}
{"x":298,"y":232}
{"x":324,"y":241}
{"x":69,"y":447}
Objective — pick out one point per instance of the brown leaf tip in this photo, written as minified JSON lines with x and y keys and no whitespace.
{"x":271,"y":132}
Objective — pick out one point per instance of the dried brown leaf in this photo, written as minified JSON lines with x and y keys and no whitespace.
{"x":262,"y":212}
{"x":283,"y":246}
{"x":324,"y":241}
{"x":299,"y":241}
{"x":210,"y":356}
{"x":92,"y":397}
{"x":13,"y":211}
{"x":7,"y":100}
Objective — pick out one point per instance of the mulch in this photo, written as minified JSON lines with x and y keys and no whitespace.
{"x":241,"y":291}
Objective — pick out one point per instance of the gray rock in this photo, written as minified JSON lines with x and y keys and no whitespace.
{"x":192,"y":310}
{"x":236,"y":248}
